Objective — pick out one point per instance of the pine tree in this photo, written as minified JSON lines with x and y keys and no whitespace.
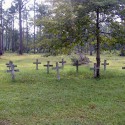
{"x":1,"y":28}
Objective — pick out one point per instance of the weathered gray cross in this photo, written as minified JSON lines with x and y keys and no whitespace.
{"x":9,"y":64}
{"x":12,"y":70}
{"x":94,"y":69}
{"x":77,"y":65}
{"x":48,"y":66}
{"x":105,"y":64}
{"x":57,"y":70}
{"x":37,"y":63}
{"x":62,"y":62}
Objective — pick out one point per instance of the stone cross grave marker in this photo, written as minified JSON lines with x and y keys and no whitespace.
{"x":105,"y":64}
{"x":94,"y":69}
{"x":57,"y":70}
{"x":62,"y":62}
{"x":48,"y":66}
{"x":37,"y":63}
{"x":77,"y":65}
{"x":9,"y":64}
{"x":12,"y":70}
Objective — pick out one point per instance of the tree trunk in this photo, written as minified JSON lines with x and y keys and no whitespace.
{"x":1,"y":52}
{"x":34,"y":28}
{"x":27,"y":34}
{"x":1,"y":46}
{"x":2,"y":29}
{"x":98,"y":44}
{"x":90,"y":47}
{"x":8,"y":41}
{"x":20,"y":28}
{"x":13,"y":35}
{"x":40,"y":33}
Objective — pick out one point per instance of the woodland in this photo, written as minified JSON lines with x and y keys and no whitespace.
{"x":59,"y":26}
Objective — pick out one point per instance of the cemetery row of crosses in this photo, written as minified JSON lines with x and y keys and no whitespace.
{"x":59,"y":27}
{"x":12,"y":69}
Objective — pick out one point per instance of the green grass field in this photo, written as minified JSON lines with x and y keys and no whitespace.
{"x":37,"y":98}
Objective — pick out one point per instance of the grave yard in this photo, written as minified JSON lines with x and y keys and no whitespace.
{"x":37,"y":97}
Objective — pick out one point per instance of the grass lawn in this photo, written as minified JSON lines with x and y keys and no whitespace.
{"x":37,"y":98}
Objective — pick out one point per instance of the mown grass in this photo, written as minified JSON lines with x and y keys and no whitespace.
{"x":37,"y":98}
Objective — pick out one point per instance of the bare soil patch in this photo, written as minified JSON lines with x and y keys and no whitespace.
{"x":4,"y":122}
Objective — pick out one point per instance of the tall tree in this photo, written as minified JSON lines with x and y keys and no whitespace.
{"x":20,"y":27}
{"x":34,"y":38}
{"x":26,"y":33}
{"x":99,"y":8}
{"x":21,"y":5}
{"x":1,"y":28}
{"x":12,"y":12}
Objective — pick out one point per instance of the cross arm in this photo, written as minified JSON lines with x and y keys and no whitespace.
{"x":11,"y":65}
{"x":104,"y":63}
{"x":36,"y":62}
{"x":16,"y":70}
